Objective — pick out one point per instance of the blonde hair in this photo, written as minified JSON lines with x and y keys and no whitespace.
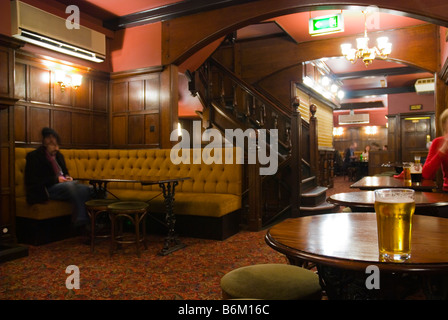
{"x":443,"y":119}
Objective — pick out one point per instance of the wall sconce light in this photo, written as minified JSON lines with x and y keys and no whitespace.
{"x":338,"y":131}
{"x":370,"y":130}
{"x":65,"y":80}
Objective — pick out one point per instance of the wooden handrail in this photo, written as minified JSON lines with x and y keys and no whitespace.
{"x":248,"y":88}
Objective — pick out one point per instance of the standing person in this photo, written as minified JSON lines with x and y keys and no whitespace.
{"x":438,"y":154}
{"x":47,"y":177}
{"x":349,"y":154}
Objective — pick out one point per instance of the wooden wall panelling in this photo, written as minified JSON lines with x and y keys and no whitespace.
{"x":136,"y":125}
{"x":39,"y":85}
{"x":100,"y":95}
{"x":136,"y":95}
{"x":20,"y":81}
{"x":169,"y":99}
{"x":152,"y":93}
{"x":37,"y":119}
{"x":81,"y":129}
{"x":62,"y":123}
{"x":135,"y":112}
{"x":100,"y":130}
{"x":119,"y":97}
{"x":82,"y":95}
{"x":76,"y":114}
{"x":20,"y":132}
{"x":152,"y":136}
{"x":119,"y":131}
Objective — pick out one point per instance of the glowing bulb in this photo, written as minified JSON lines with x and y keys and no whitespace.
{"x":76,"y":80}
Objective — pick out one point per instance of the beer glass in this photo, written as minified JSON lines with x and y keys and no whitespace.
{"x":416,"y":172}
{"x":407,"y":172}
{"x":394,"y":211}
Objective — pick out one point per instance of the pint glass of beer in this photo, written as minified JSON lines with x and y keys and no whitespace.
{"x":394,"y":211}
{"x":407,"y":171}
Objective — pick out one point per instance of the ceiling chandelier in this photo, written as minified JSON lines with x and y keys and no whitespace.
{"x":363,"y":51}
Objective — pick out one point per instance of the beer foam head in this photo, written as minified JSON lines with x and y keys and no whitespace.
{"x":395,"y":199}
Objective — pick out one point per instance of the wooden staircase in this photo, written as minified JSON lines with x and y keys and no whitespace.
{"x":231,"y":103}
{"x":313,"y":200}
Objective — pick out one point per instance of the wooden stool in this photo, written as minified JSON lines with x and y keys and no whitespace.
{"x":95,"y":207}
{"x":135,"y":212}
{"x":271,"y":282}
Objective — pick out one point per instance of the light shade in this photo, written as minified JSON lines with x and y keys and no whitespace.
{"x":76,"y":80}
{"x":362,"y":43}
{"x":346,"y":48}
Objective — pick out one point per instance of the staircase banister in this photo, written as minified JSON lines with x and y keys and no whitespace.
{"x":248,"y":88}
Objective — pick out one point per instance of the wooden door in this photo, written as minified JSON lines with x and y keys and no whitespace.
{"x":415,"y":131}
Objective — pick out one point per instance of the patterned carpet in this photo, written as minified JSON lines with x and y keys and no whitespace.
{"x":192,"y":273}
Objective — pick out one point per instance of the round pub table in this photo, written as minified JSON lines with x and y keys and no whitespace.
{"x":426,"y":203}
{"x":344,"y":246}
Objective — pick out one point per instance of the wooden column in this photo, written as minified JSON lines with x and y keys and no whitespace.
{"x":440,"y":102}
{"x":8,"y":247}
{"x":314,"y":147}
{"x":296,"y":157}
{"x":169,"y":98}
{"x":254,"y":219}
{"x":440,"y":97}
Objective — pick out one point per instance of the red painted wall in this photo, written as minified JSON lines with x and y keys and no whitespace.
{"x":137,"y":47}
{"x":5,"y":18}
{"x":399,"y":103}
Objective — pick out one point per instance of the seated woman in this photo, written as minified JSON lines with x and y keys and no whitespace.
{"x":438,"y":154}
{"x":365,"y":154}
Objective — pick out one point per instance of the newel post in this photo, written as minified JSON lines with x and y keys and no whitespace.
{"x":255,"y":221}
{"x":296,"y":157}
{"x":314,"y":147}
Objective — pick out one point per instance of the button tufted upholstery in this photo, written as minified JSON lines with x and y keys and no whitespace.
{"x":213,"y":190}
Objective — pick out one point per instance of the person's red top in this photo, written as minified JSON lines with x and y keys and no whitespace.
{"x":434,"y":161}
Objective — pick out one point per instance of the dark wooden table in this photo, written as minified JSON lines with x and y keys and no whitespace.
{"x":362,"y":168}
{"x":344,"y":245}
{"x":426,"y":203}
{"x":168,"y":186}
{"x":378,"y":182}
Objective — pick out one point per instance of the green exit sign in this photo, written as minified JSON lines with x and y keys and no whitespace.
{"x":326,"y":24}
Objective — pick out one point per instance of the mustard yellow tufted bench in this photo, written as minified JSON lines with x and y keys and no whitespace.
{"x":206,"y":205}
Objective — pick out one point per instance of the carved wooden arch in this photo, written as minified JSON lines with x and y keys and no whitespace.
{"x":183,"y":36}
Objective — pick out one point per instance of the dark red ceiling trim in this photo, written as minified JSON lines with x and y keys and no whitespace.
{"x":379,"y":72}
{"x":168,"y":12}
{"x":377,"y":92}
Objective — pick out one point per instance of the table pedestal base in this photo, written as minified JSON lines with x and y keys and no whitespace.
{"x":343,"y":284}
{"x":170,"y":246}
{"x":172,"y":242}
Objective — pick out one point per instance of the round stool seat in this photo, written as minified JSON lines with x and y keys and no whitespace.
{"x":271,"y":282}
{"x":127,"y":206}
{"x":100,"y":202}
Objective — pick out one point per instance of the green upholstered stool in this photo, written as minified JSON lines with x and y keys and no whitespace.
{"x":95,"y":207}
{"x":271,"y":282}
{"x":135,"y":212}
